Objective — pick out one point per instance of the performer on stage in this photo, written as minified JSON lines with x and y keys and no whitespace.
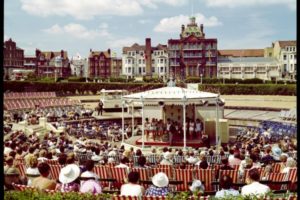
{"x":199,"y":127}
{"x":147,"y":128}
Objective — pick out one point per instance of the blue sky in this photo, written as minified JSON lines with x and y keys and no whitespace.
{"x":78,"y":25}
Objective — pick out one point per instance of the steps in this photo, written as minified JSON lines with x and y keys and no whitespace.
{"x":36,"y":129}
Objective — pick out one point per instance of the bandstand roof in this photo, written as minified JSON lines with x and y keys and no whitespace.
{"x":171,"y":95}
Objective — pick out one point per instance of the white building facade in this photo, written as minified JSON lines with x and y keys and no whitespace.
{"x":79,"y":66}
{"x":134,"y":61}
{"x":249,"y":67}
{"x":286,"y":53}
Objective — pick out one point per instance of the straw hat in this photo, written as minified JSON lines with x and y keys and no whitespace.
{"x":69,"y":173}
{"x":12,"y":171}
{"x":160,"y":180}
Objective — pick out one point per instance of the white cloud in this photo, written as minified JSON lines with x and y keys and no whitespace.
{"x":173,"y":24}
{"x":81,"y":9}
{"x":236,"y":3}
{"x":122,"y":42}
{"x":79,"y":31}
{"x":87,"y":9}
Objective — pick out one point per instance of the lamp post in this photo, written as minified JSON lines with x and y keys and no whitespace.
{"x":223,"y":77}
{"x":201,"y":78}
{"x":143,"y":121}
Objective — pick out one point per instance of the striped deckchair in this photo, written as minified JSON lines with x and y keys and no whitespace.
{"x":185,"y":175}
{"x":231,"y":173}
{"x":22,"y":169}
{"x":206,"y":175}
{"x":178,"y":159}
{"x":277,"y":177}
{"x":144,"y":173}
{"x":246,"y":173}
{"x":52,"y":162}
{"x":199,"y":197}
{"x":276,"y":167}
{"x":20,"y":187}
{"x":120,"y":174}
{"x":103,"y":173}
{"x":154,"y":197}
{"x":292,"y":176}
{"x":122,"y":197}
{"x":55,"y":170}
{"x":167,"y":171}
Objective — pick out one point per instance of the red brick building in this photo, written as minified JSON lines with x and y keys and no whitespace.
{"x":100,"y":64}
{"x":52,"y":64}
{"x":192,"y":54}
{"x":13,"y":57}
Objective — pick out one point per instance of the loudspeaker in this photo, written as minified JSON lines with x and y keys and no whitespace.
{"x":210,"y":130}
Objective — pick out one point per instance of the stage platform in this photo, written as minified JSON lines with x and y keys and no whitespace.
{"x":177,"y":141}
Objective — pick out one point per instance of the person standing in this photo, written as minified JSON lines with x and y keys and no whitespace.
{"x":100,"y":109}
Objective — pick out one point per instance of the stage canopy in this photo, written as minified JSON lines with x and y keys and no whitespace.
{"x":171,"y":95}
{"x":167,"y":96}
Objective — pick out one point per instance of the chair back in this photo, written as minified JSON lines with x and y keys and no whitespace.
{"x":122,"y":197}
{"x":185,"y":175}
{"x":120,"y":174}
{"x":206,"y":175}
{"x":20,"y":187}
{"x":54,"y":171}
{"x":167,"y":171}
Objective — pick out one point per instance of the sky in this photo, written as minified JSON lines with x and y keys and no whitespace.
{"x":80,"y":25}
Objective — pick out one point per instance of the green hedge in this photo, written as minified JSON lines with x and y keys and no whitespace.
{"x":35,"y":195}
{"x":250,"y":89}
{"x":71,"y":88}
{"x":232,"y":81}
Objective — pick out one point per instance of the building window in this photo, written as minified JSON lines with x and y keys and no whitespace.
{"x":140,"y":61}
{"x":153,"y":69}
{"x":291,"y":56}
{"x":144,"y":69}
{"x":153,"y":61}
{"x":161,"y":69}
{"x":270,"y":54}
{"x":161,"y":60}
{"x":284,"y":67}
{"x":284,"y":57}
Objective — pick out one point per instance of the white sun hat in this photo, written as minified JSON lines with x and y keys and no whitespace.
{"x":69,"y":173}
{"x":160,"y":180}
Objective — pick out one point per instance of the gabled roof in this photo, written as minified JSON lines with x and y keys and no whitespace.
{"x":241,"y":52}
{"x":283,"y":44}
{"x":47,"y":54}
{"x":97,"y":53}
{"x":134,"y":47}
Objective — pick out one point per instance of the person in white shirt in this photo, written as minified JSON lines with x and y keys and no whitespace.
{"x":192,"y":159}
{"x":123,"y":164}
{"x":167,"y":159}
{"x":132,"y":188}
{"x":290,"y":163}
{"x":226,"y":188}
{"x":89,"y":165}
{"x":253,"y":187}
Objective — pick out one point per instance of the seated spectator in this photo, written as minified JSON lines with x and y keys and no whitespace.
{"x":197,"y":187}
{"x":192,"y":159}
{"x":42,"y":155}
{"x":90,"y":185}
{"x":159,"y":187}
{"x":62,"y":159}
{"x":226,"y":188}
{"x":43,"y":182}
{"x":253,"y":187}
{"x":290,"y":163}
{"x":123,"y":163}
{"x":167,"y":159}
{"x":141,"y":162}
{"x":11,"y":174}
{"x":132,"y":188}
{"x":203,"y":164}
{"x":236,"y":159}
{"x":96,"y":157}
{"x":69,"y":179}
{"x":32,"y":171}
{"x":89,"y":165}
{"x":225,"y":164}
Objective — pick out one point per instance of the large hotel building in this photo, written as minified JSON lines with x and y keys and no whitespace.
{"x":192,"y":54}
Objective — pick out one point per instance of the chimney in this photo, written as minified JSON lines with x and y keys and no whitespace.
{"x":148,"y":57}
{"x":62,"y":53}
{"x":182,"y":28}
{"x":108,"y":51}
{"x":201,"y":28}
{"x":91,"y":50}
{"x":37,"y":53}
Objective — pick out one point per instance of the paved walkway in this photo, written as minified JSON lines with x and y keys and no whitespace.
{"x":263,"y":101}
